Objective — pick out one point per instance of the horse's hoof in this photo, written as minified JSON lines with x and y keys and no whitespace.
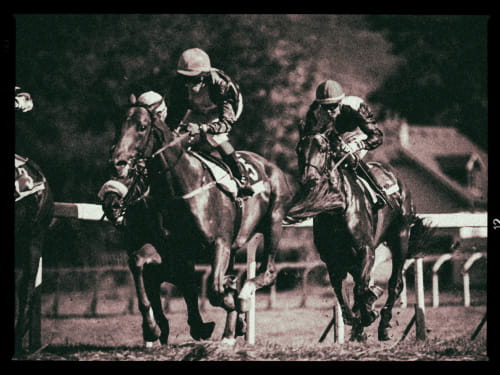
{"x":368,"y":318}
{"x":148,"y":344}
{"x":383,"y":335}
{"x":203,"y":332}
{"x":150,"y":334}
{"x":164,"y":339}
{"x":359,"y":337}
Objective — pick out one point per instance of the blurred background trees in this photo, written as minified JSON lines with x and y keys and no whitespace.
{"x":81,"y":69}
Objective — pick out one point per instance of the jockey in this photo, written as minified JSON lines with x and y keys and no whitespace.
{"x":23,"y":181}
{"x":352,"y":125}
{"x":206,"y":99}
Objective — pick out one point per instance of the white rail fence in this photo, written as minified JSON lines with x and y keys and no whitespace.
{"x":469,"y":225}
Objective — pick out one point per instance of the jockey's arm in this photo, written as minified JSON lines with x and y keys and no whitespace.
{"x":225,"y":120}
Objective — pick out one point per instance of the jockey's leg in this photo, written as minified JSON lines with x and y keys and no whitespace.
{"x":228,"y":154}
{"x":364,"y":171}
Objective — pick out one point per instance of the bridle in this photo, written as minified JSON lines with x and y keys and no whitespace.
{"x":325,"y":169}
{"x":143,"y":160}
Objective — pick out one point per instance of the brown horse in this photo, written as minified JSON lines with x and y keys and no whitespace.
{"x":33,"y":215}
{"x":347,"y":235}
{"x":204,"y":222}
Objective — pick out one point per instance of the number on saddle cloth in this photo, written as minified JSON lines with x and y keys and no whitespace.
{"x":221,"y":173}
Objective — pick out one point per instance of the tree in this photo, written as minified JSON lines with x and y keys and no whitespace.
{"x":442,"y":78}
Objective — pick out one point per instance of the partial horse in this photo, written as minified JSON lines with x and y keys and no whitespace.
{"x":33,"y":215}
{"x":204,"y":221}
{"x":349,"y":231}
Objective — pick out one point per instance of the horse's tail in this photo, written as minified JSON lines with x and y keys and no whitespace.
{"x":421,"y":235}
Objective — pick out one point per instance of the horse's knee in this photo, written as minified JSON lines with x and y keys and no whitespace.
{"x":147,"y":254}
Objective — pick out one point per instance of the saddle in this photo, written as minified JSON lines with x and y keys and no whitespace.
{"x":383,"y":178}
{"x":25,"y":184}
{"x":222,"y":175}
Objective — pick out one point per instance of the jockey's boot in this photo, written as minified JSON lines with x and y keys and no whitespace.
{"x":240,"y":173}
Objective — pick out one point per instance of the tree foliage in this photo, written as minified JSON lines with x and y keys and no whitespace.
{"x":81,"y":69}
{"x":442,"y":79}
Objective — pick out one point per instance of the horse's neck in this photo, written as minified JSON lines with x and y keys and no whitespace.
{"x":183,"y":172}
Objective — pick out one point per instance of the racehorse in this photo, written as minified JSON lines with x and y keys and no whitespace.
{"x":347,"y":236}
{"x":203,"y":220}
{"x":33,"y":215}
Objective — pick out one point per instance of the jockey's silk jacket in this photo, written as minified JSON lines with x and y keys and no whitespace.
{"x":220,"y":96}
{"x":352,"y":116}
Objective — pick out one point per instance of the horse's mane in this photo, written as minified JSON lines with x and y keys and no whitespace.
{"x":309,"y":203}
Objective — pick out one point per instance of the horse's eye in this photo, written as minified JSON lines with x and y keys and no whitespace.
{"x":142,"y":127}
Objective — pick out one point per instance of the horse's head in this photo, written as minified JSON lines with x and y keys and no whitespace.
{"x":314,"y":157}
{"x":141,"y":133}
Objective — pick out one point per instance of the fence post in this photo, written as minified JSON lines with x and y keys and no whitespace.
{"x":338,"y":328}
{"x":251,"y":269}
{"x":272,"y":297}
{"x":305,"y":285}
{"x":404,"y":291}
{"x":435,"y":278}
{"x":55,"y":302}
{"x":95,"y":295}
{"x":466,"y":278}
{"x":420,"y":305}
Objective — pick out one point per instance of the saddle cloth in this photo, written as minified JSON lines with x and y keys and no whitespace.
{"x":383,"y":177}
{"x":223,"y":177}
{"x":24,"y":183}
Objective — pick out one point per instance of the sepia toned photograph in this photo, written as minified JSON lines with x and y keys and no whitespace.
{"x":250,"y":187}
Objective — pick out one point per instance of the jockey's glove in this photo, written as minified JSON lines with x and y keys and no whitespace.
{"x":194,"y":128}
{"x":353,"y":146}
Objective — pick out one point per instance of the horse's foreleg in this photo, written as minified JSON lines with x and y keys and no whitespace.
{"x":152,"y":283}
{"x":365,"y":293}
{"x":185,"y":281}
{"x":146,"y":254}
{"x":337,"y":278}
{"x":267,"y":272}
{"x":26,"y":289}
{"x":219,"y":267}
{"x":399,"y":249}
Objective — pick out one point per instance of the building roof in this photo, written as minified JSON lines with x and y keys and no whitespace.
{"x":440,"y":150}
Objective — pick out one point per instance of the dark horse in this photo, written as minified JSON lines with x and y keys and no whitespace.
{"x":203,"y":221}
{"x":33,"y":215}
{"x":346,"y":237}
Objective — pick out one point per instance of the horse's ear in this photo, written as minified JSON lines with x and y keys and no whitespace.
{"x":132,"y":99}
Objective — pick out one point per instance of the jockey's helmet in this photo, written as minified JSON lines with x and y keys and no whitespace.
{"x":193,"y":61}
{"x":329,"y":92}
{"x":151,"y":98}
